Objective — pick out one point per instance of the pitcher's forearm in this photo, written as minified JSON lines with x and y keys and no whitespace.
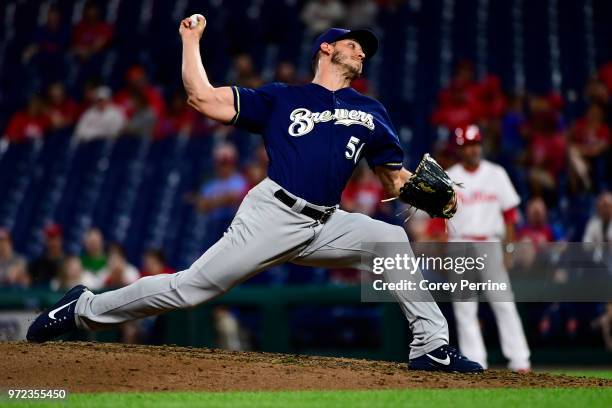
{"x":215,"y":103}
{"x":392,"y":180}
{"x":194,"y":75}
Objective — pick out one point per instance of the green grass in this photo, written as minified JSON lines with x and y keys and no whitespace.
{"x":560,"y":397}
{"x":540,"y":398}
{"x":583,"y":373}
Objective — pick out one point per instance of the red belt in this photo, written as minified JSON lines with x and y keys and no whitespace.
{"x":476,"y":237}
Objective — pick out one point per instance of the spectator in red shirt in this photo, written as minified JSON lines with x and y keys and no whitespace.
{"x":91,"y":38}
{"x":179,"y":118}
{"x":47,"y":266}
{"x":28,"y":124}
{"x":465,"y":102}
{"x":605,"y":74}
{"x":362,"y":85}
{"x":363,"y":192}
{"x":457,"y":109}
{"x":590,"y":134}
{"x":547,"y":153}
{"x":91,"y":35}
{"x":154,"y":263}
{"x":596,"y":91}
{"x":537,"y":229}
{"x":547,"y":148}
{"x":491,"y":98}
{"x":61,"y":110}
{"x":257,"y":168}
{"x":118,"y":272}
{"x":589,"y":145}
{"x":423,"y":228}
{"x":137,"y":82}
{"x":463,"y":80}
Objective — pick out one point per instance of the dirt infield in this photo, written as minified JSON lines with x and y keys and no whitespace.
{"x":97,"y":367}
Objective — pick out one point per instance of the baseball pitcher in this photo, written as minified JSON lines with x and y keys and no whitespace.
{"x":315,"y":135}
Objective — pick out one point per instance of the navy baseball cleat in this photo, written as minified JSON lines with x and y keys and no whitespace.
{"x":58,"y":319}
{"x":445,"y":358}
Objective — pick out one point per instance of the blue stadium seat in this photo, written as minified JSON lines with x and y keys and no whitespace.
{"x":44,"y":192}
{"x":129,"y":156}
{"x":602,"y":12}
{"x":537,"y":57}
{"x":18,"y":162}
{"x":501,"y":42}
{"x":574,"y":58}
{"x":82,"y":189}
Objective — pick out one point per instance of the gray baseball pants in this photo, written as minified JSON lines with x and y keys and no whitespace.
{"x":264,"y":233}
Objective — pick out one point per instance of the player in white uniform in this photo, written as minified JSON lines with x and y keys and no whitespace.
{"x":486,"y":213}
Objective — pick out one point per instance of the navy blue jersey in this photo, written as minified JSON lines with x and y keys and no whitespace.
{"x":315,"y":137}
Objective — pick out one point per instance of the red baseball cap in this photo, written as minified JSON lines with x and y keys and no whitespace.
{"x":135,"y":73}
{"x":53,"y":231}
{"x":467,"y":135}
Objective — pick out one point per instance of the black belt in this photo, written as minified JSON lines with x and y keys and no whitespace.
{"x":317,"y":215}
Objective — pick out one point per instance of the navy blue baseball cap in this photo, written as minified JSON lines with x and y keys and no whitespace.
{"x":366,"y":38}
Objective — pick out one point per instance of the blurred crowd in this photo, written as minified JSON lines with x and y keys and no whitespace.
{"x":561,"y":165}
{"x":100,"y":266}
{"x":64,"y":66}
{"x":547,"y":154}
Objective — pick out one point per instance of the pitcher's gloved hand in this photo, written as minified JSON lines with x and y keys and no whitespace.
{"x":430,"y":189}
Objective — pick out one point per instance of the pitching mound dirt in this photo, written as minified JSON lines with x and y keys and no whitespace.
{"x":97,"y":367}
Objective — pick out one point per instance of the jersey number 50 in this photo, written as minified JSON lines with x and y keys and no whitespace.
{"x":353,"y":149}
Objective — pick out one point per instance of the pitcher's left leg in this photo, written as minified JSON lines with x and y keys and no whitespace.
{"x":469,"y":334}
{"x":339,"y":243}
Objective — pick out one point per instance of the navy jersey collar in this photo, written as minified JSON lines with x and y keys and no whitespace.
{"x":318,"y":88}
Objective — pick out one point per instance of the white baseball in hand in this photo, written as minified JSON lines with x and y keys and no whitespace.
{"x":194,"y":20}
